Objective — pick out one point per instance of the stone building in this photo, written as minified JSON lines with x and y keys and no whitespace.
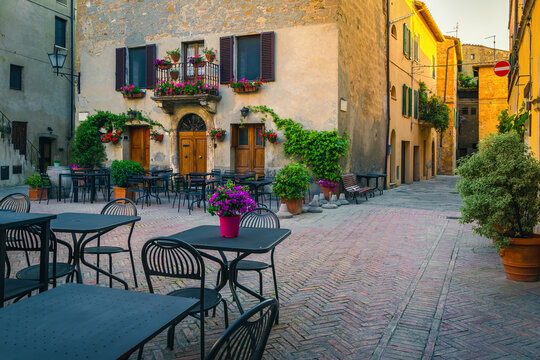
{"x":449,"y":59}
{"x":323,"y":62}
{"x":479,"y":108}
{"x":414,"y":38}
{"x":35,"y":104}
{"x":524,"y":77}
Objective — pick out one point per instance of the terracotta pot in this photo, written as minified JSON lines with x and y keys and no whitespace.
{"x":174,"y":74}
{"x":165,"y":67}
{"x":326,"y":191}
{"x":521,"y":259}
{"x":175,"y":57}
{"x":34,"y":193}
{"x":229,"y":226}
{"x":134,"y":96}
{"x":121,"y":192}
{"x":210,"y":58}
{"x":293,"y":205}
{"x":245,"y":89}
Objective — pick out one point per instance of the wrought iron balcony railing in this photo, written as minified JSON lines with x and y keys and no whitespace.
{"x":205,"y":78}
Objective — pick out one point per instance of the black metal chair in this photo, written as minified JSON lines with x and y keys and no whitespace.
{"x":167,"y":257}
{"x":48,"y":185}
{"x":248,"y":335}
{"x":124,"y":207}
{"x":137,"y":188}
{"x":17,"y":202}
{"x":226,"y":176}
{"x":196,"y":189}
{"x":179,"y":187}
{"x":29,"y":239}
{"x":79,"y":182}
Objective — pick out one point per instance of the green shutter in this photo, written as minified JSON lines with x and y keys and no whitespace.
{"x":410,"y":42}
{"x":416,"y":45}
{"x":433,"y":71}
{"x":405,"y":38}
{"x":404,"y":100}
{"x":416,"y":104}
{"x":410,"y":102}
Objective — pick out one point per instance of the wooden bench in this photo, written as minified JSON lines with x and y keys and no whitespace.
{"x":351,"y":186}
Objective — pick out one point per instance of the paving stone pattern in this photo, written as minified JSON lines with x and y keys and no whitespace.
{"x":396,"y":277}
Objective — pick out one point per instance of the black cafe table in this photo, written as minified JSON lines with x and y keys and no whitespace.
{"x":85,"y":224}
{"x":12,"y":288}
{"x":254,"y":185}
{"x":75,"y":321}
{"x":249,"y":241}
{"x":91,"y":176}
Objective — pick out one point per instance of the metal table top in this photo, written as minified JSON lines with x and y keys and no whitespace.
{"x":88,"y":223}
{"x":75,"y":321}
{"x":12,"y":219}
{"x":249,"y":240}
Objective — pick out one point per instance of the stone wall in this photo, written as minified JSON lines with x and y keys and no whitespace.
{"x":479,"y":54}
{"x":362,"y":82}
{"x":492,"y":95}
{"x":468,"y":122}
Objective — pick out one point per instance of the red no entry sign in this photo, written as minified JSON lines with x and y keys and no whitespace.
{"x":502,"y":68}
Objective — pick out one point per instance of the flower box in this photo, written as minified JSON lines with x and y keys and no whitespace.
{"x":134,"y":96}
{"x":245,"y":89}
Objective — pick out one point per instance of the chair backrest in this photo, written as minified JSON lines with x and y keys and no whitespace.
{"x":349,"y":180}
{"x":121,"y":206}
{"x":246,"y":338}
{"x":28,"y":238}
{"x":260,"y":218}
{"x":45,"y":179}
{"x":17,"y":202}
{"x":168,"y":257}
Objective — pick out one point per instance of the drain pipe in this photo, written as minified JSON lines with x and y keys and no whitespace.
{"x":445,"y":81}
{"x":72,"y":89}
{"x":387,"y":179}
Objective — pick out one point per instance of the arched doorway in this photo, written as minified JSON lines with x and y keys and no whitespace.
{"x":192,"y":144}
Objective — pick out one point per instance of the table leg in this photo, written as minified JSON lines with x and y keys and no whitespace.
{"x":76,"y":252}
{"x":92,"y":190}
{"x":59,"y":195}
{"x":44,"y":256}
{"x":108,"y":187}
{"x":233,"y":283}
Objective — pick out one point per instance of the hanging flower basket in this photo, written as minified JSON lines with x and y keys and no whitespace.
{"x":197,"y":60}
{"x":217,"y":134}
{"x":154,"y":135}
{"x":268,"y":135}
{"x":163,"y":63}
{"x":112,"y":137}
{"x":131,"y":92}
{"x":174,"y":55}
{"x":174,"y":74}
{"x":246,"y":86}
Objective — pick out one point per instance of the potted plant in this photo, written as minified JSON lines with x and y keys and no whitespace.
{"x":121,"y":171}
{"x":154,"y":135}
{"x":268,"y":135}
{"x":56,"y":160}
{"x":164,"y":63}
{"x":246,"y":86}
{"x":112,"y":137}
{"x":131,"y":92}
{"x":196,"y":61}
{"x":290,"y":184}
{"x":229,"y":202}
{"x":35,"y":183}
{"x":499,"y":186}
{"x":174,"y":74}
{"x":217,"y":134}
{"x":174,"y":55}
{"x":328,"y":187}
{"x":210,"y":54}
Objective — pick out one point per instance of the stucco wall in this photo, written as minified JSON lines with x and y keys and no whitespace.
{"x":362,"y":83}
{"x":492,"y":95}
{"x":27,"y":36}
{"x":482,"y":55}
{"x":305,"y":90}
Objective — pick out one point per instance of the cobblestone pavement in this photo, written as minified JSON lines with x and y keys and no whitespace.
{"x":396,"y":277}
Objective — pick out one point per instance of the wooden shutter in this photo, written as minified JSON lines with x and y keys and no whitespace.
{"x":416,"y":45}
{"x":410,"y":102}
{"x":150,"y":69}
{"x":120,"y":68}
{"x":234,"y":135}
{"x":267,"y":56}
{"x":226,"y":59}
{"x":404,"y":100}
{"x":409,"y":35}
{"x":404,"y":38}
{"x":416,"y":104}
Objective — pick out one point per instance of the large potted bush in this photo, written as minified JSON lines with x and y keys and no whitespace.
{"x":121,"y":171}
{"x":35,"y":183}
{"x":499,"y":186}
{"x":290,"y":184}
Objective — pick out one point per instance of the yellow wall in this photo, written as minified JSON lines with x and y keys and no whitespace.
{"x":406,"y":130}
{"x":529,"y":60}
{"x":492,"y":95}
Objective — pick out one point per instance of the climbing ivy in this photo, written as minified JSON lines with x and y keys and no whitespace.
{"x":320,"y":151}
{"x":433,"y":110}
{"x":88,"y":150}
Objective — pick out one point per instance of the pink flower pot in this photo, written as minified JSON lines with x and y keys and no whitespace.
{"x":229,"y":226}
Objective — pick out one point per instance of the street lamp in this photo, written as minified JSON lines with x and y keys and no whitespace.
{"x":57,"y":60}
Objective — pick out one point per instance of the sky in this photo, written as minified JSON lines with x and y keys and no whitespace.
{"x":477,"y":20}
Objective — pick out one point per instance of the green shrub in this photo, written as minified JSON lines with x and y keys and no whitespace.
{"x":121,"y":170}
{"x":514,"y":122}
{"x":499,"y":186}
{"x":34,"y":181}
{"x":88,"y":150}
{"x":291,"y":182}
{"x":433,"y":110}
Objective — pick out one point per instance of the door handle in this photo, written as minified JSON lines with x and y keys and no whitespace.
{"x":200,"y":156}
{"x":185,"y":156}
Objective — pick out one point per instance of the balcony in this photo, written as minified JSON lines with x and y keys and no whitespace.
{"x":183,"y":83}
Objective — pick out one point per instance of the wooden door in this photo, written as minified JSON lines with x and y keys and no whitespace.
{"x":192,"y":151}
{"x":249,"y":154}
{"x":139,"y":145}
{"x":45,"y":154}
{"x":18,"y":136}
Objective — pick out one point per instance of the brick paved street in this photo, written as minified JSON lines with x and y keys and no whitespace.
{"x":396,"y":277}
